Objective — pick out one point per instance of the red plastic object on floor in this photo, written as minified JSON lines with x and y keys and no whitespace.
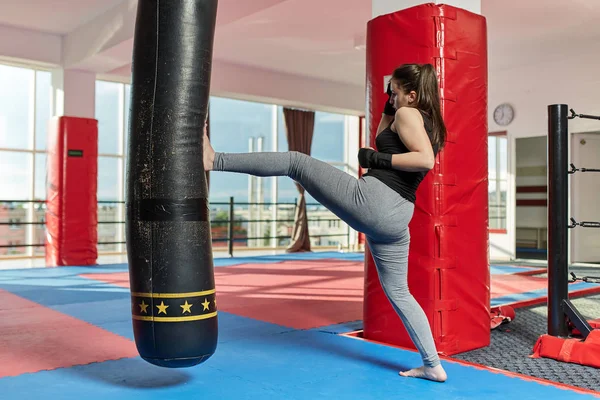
{"x":71,"y":198}
{"x":448,"y":263}
{"x":578,"y":351}
{"x":501,"y":315}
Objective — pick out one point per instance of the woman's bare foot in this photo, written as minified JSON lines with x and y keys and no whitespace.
{"x":209,"y":154}
{"x":436,"y":374}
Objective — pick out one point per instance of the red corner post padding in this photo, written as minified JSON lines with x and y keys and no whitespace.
{"x":584,"y":352}
{"x":71,"y":200}
{"x":448,"y":262}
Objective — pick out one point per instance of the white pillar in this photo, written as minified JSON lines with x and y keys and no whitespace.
{"x":274,"y":191}
{"x":73,"y":93}
{"x":260,"y":197}
{"x":251,"y":200}
{"x":381,"y":7}
{"x":352,"y":144}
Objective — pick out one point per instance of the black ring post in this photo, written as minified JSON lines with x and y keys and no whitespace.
{"x":560,"y":308}
{"x":557,"y":218}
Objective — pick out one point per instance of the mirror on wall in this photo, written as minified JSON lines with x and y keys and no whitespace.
{"x":531,"y":212}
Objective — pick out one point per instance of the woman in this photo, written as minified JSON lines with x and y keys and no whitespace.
{"x":381,"y":203}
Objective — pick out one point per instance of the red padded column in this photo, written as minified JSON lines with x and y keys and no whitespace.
{"x":448,"y":262}
{"x":71,"y":200}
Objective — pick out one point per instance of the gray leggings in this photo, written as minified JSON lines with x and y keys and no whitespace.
{"x":368,"y":206}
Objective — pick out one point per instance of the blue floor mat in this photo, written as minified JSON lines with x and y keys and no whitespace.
{"x":290,"y":365}
{"x":254,"y":359}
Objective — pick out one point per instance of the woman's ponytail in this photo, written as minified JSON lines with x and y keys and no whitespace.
{"x":422,"y":78}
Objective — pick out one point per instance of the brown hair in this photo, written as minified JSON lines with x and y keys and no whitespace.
{"x":423,"y":80}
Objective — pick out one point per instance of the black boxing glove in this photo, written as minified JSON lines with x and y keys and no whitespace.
{"x":389,"y":104}
{"x":369,"y":158}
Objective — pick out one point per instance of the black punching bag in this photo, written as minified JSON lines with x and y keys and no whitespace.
{"x":171,"y":270}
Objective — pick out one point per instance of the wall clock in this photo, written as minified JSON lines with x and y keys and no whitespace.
{"x":504,"y":114}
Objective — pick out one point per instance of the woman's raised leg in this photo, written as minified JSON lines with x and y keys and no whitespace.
{"x":336,"y":190}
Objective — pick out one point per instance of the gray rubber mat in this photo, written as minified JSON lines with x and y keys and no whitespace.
{"x":511,"y":345}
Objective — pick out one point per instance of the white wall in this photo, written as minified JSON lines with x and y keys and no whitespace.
{"x":530,"y":88}
{"x":583,"y":200}
{"x":560,"y":78}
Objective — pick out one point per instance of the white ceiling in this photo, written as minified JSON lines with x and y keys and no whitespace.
{"x":524,"y":32}
{"x":52,"y":16}
{"x":290,"y":36}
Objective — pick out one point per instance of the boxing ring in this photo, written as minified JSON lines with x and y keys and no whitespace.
{"x":571,"y":337}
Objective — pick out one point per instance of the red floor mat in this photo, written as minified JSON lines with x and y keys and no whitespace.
{"x":522,"y":291}
{"x":307,"y":294}
{"x":35,"y":338}
{"x":297,"y":294}
{"x":503,"y":285}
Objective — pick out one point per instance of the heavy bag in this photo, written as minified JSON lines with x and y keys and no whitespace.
{"x":171,"y":270}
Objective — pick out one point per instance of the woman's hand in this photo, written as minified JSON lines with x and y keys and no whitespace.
{"x":389,"y":108}
{"x":369,"y":158}
{"x":363,"y":169}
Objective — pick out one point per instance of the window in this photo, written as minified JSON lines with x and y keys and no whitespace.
{"x":24,"y":114}
{"x":498,"y":181}
{"x":17,"y":94}
{"x":329,"y":144}
{"x":108,"y":110}
{"x":112,"y":112}
{"x":43,"y":95}
{"x":240,"y":126}
{"x":40,"y":177}
{"x":236,"y":126}
{"x":16,"y":175}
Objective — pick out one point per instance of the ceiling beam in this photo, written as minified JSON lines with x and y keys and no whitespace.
{"x":93,"y":46}
{"x":106,"y":43}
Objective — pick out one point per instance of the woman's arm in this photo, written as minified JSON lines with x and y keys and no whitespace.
{"x":385,"y":121}
{"x":408,"y":123}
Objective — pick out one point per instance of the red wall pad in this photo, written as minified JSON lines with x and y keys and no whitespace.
{"x":448,"y":262}
{"x":71,"y":199}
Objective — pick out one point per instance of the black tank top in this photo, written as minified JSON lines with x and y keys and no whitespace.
{"x":403,"y":182}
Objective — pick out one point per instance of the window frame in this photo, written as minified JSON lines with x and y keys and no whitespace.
{"x":32,"y":151}
{"x":503,"y":134}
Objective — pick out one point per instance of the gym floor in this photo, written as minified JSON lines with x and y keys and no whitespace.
{"x":284,"y":324}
